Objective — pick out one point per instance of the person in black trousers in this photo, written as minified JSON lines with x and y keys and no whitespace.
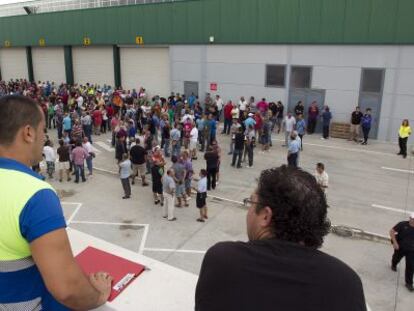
{"x":402,"y":237}
{"x":366,"y":121}
{"x":326,"y":121}
{"x":403,"y":134}
{"x":212,"y":159}
{"x":238,"y":147}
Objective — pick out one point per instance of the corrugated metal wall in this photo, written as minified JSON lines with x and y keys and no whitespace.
{"x":229,"y":21}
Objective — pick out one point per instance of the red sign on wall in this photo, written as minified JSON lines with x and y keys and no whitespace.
{"x":213,"y":86}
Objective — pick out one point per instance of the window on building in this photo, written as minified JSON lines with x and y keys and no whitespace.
{"x":300,"y":77}
{"x":275,"y":75}
{"x":372,"y":80}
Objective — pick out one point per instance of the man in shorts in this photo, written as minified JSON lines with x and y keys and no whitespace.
{"x":179,"y":178}
{"x":138,"y":156}
{"x":193,"y":141}
{"x":202,"y":195}
{"x":64,"y":160}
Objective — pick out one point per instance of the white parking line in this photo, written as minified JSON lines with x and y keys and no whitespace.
{"x":97,"y":151}
{"x":224,"y":199}
{"x":104,"y":146}
{"x":397,"y":170}
{"x":78,"y":206}
{"x":143,"y":240}
{"x":108,"y":223}
{"x":168,"y":250}
{"x":397,"y":210}
{"x":105,"y":171}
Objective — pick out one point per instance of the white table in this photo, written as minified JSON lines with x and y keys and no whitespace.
{"x":162,"y":288}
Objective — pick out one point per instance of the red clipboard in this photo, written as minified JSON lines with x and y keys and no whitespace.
{"x":123,"y":271}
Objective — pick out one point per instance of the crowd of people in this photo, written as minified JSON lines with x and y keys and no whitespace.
{"x":145,"y":131}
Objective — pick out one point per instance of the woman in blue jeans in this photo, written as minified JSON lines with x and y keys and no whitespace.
{"x":301,"y":129}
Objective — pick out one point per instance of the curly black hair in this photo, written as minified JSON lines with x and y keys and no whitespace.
{"x":298,"y":204}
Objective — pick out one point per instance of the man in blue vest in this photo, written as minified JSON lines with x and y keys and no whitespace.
{"x":37,"y":267}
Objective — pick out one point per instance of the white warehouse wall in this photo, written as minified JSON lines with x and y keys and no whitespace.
{"x":13,"y":63}
{"x":240,"y":70}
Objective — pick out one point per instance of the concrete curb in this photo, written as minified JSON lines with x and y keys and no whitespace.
{"x":101,"y":170}
{"x":356,"y":233}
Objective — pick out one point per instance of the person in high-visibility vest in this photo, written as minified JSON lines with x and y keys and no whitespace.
{"x":37,"y":267}
{"x":403,"y":134}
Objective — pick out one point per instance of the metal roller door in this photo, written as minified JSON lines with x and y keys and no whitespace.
{"x":146,"y":67}
{"x":49,"y":64}
{"x":13,"y":64}
{"x":94,"y":65}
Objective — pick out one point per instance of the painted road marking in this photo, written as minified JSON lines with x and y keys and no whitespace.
{"x":168,"y":250}
{"x":97,"y":151}
{"x":78,"y":206}
{"x":104,"y":146}
{"x":387,"y":208}
{"x":397,"y":170}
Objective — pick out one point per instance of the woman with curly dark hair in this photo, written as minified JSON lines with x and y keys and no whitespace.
{"x":280,"y":267}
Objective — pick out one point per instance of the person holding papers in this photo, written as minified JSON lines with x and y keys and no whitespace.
{"x":37,"y":267}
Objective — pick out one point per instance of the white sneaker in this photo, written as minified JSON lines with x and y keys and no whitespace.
{"x":323,"y":138}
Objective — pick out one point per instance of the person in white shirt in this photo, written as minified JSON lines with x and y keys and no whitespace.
{"x":242,"y":104}
{"x":79,"y":100}
{"x":289,"y":123}
{"x":88,"y":147}
{"x":235,"y":112}
{"x":202,"y":195}
{"x":322,"y":177}
{"x":125,"y":170}
{"x":50,"y":158}
{"x":219,"y":103}
{"x":193,"y":141}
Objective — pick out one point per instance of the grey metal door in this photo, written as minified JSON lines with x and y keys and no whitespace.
{"x":373,"y":101}
{"x":307,"y":96}
{"x":370,"y":95}
{"x":190,"y":87}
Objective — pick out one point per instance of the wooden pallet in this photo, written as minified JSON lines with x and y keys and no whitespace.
{"x":340,"y":130}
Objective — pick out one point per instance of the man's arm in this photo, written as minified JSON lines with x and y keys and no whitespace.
{"x":393,"y":237}
{"x":62,"y":275}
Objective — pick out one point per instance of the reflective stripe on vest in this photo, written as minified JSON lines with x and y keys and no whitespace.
{"x":31,"y":305}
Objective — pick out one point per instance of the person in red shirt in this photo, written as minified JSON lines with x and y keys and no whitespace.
{"x":97,"y":121}
{"x":259,"y":123}
{"x":262,"y":106}
{"x":110,"y":113}
{"x":227,"y":117}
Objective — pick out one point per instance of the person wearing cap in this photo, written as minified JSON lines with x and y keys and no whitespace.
{"x":250,"y":121}
{"x":402,"y":238}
